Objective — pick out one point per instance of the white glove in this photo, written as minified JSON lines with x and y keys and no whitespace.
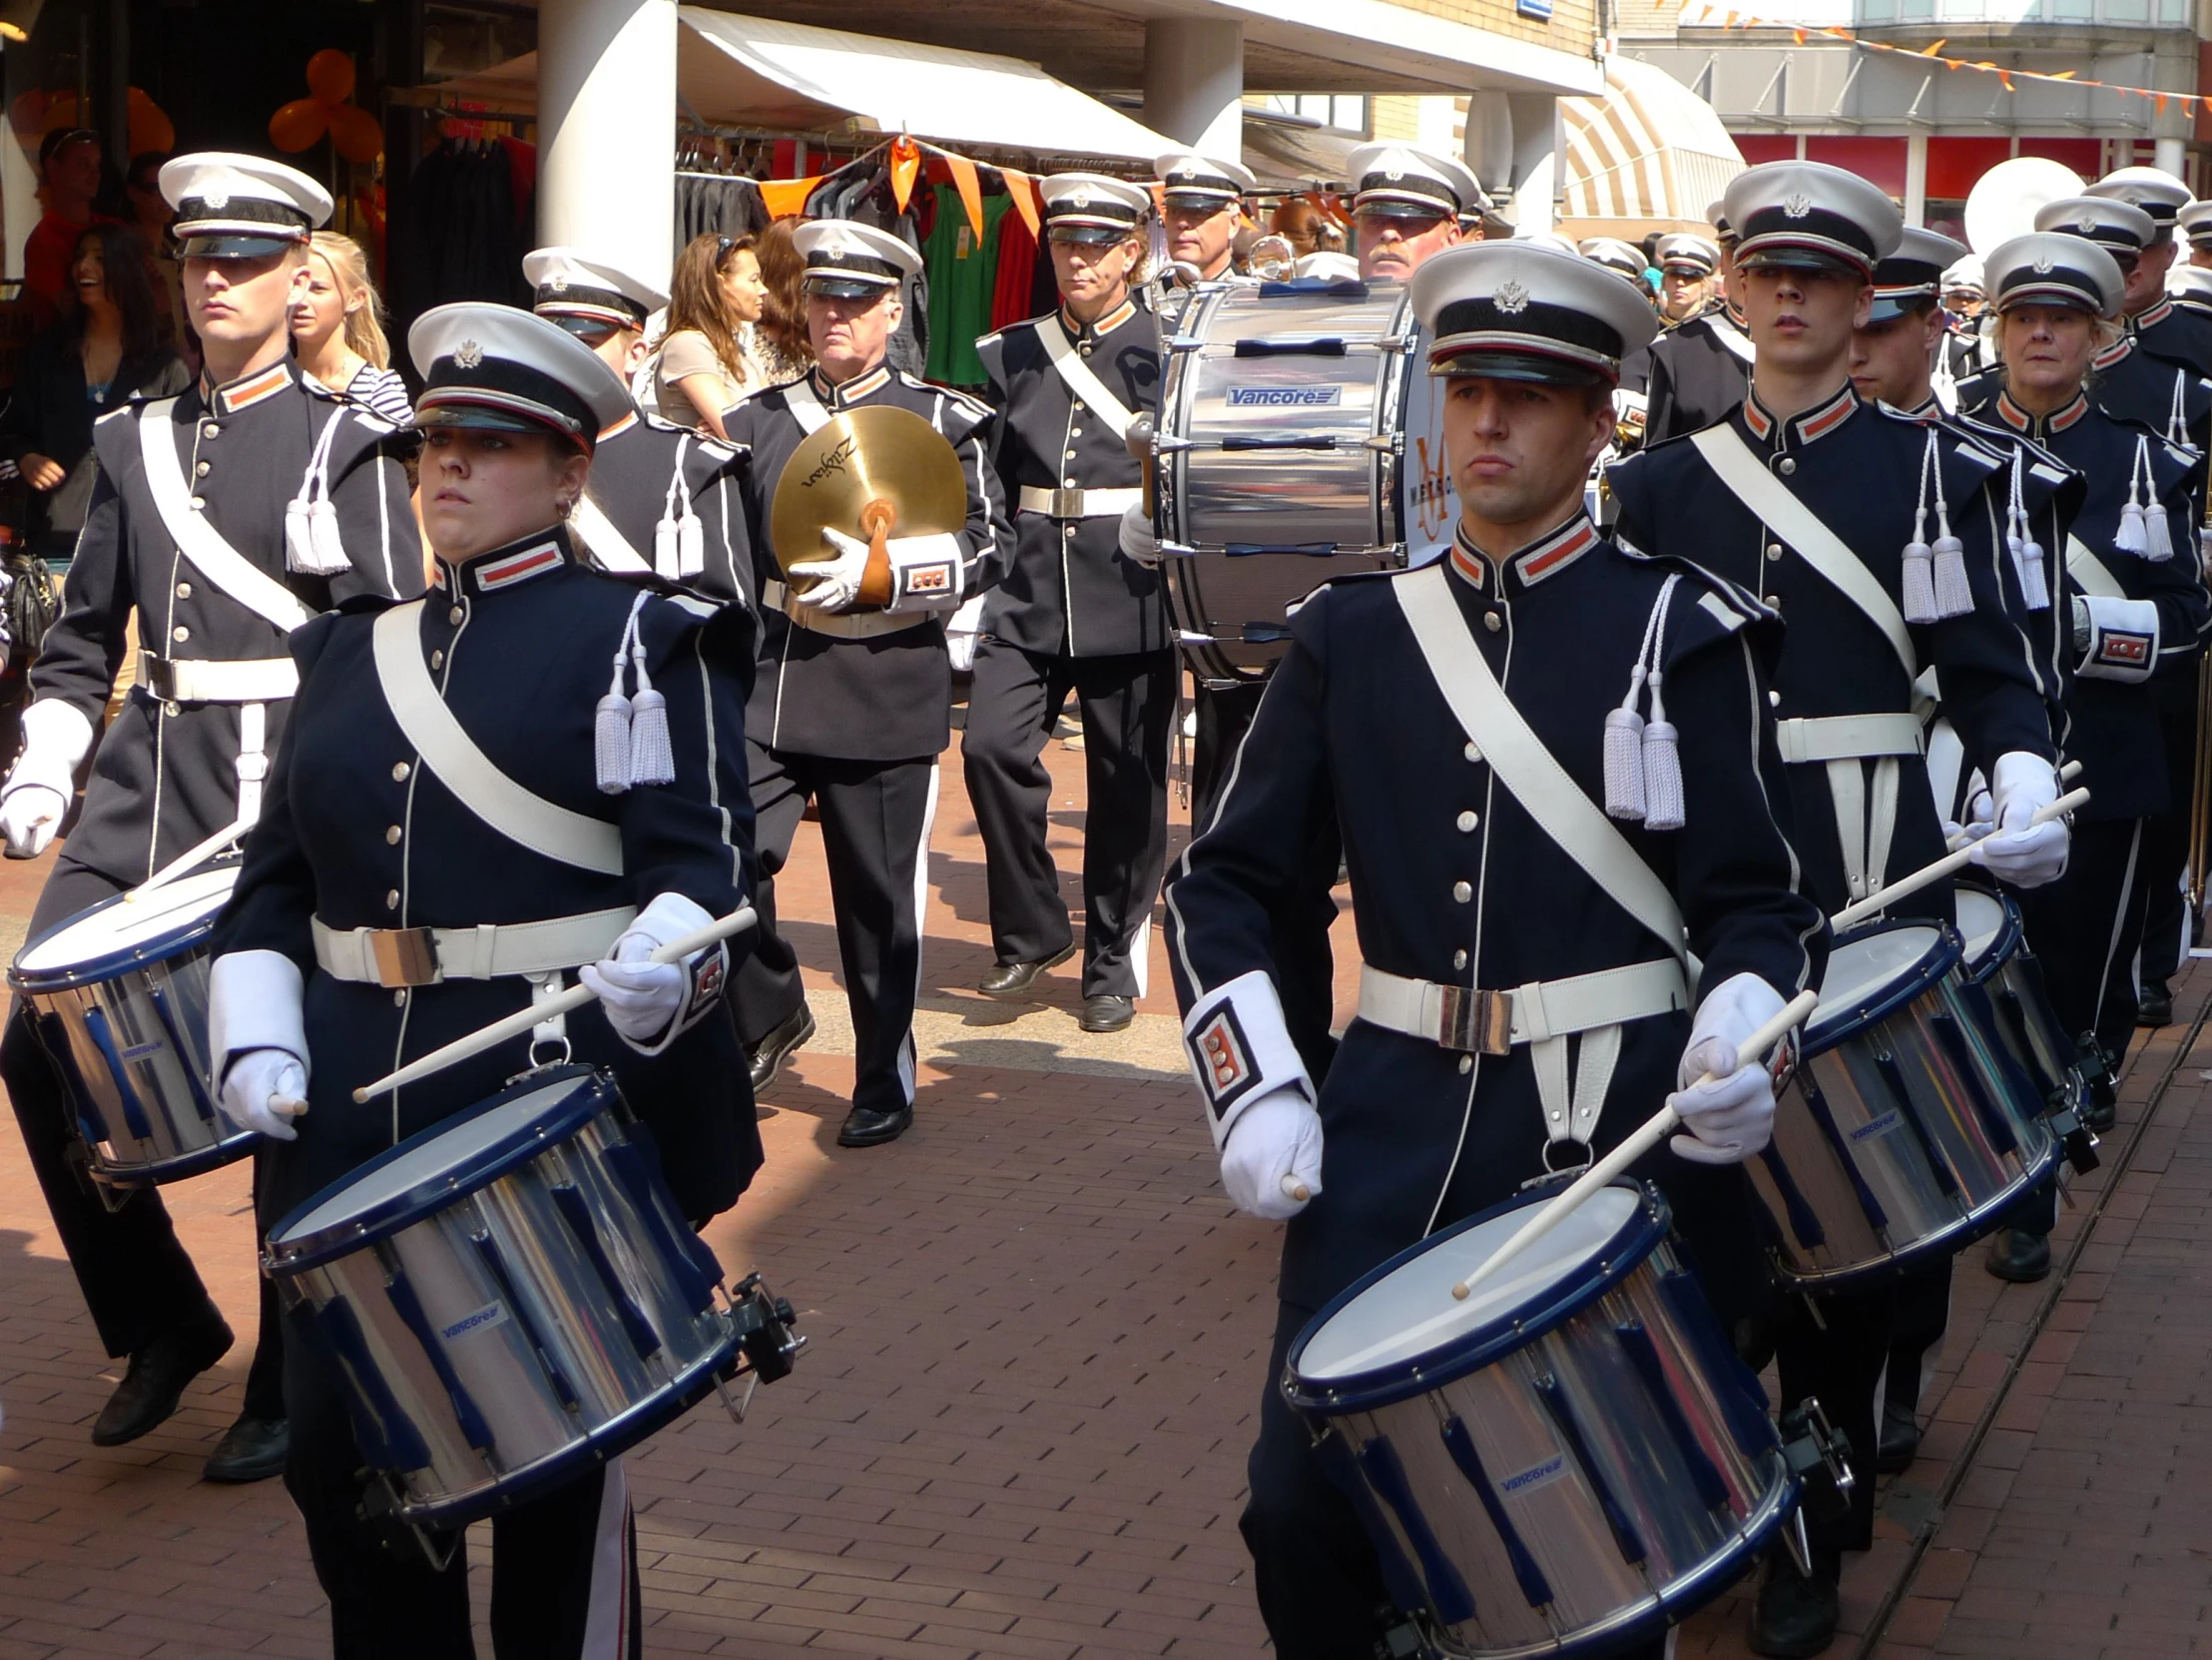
{"x":1731,"y":1118}
{"x":30,"y":813}
{"x":640,"y":996}
{"x":1137,"y":540}
{"x":1276,"y":1136}
{"x":2025,"y":857}
{"x":265,"y":1090}
{"x":836,"y":582}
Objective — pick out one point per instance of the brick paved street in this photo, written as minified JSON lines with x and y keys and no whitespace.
{"x":1036,"y":1338}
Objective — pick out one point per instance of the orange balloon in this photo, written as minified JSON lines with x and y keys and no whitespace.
{"x":27,"y":113}
{"x":331,"y":75}
{"x":297,"y":125}
{"x":355,"y":134}
{"x":151,"y":128}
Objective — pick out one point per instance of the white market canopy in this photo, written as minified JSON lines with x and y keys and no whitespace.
{"x":1650,"y":150}
{"x":753,"y":71}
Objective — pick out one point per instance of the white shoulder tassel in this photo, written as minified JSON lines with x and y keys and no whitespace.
{"x":1624,"y":727}
{"x":1918,"y":596}
{"x":652,"y":756}
{"x":1663,"y":805}
{"x":610,"y":736}
{"x":2020,"y":537}
{"x":2132,"y":537}
{"x":1953,"y":594}
{"x":679,"y":539}
{"x":312,"y":544}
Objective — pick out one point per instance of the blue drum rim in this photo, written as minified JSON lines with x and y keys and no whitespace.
{"x":232,"y":1148}
{"x":37,"y":983}
{"x":1630,"y":1247}
{"x":2007,"y":943}
{"x":1950,"y":953}
{"x":560,"y":1119}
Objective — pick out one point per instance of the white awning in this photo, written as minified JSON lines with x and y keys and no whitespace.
{"x":751,"y":71}
{"x":1650,"y":150}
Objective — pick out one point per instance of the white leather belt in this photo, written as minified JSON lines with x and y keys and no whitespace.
{"x":1848,"y":737}
{"x":1493,"y":1022}
{"x":394,"y":957}
{"x":847,"y":625}
{"x":1079,"y":504}
{"x":202,"y":680}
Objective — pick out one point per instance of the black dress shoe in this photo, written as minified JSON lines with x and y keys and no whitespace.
{"x":1108,"y":1014}
{"x":870,"y":1127}
{"x":1900,"y":1441}
{"x":155,"y":1380}
{"x":773,"y":1050}
{"x":252,"y":1449}
{"x":2102,"y":1110}
{"x":2155,"y":1007}
{"x":1793,"y":1618}
{"x":2018,"y":1256}
{"x":1011,"y":979}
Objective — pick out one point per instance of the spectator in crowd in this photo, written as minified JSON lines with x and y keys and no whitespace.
{"x":337,"y":329}
{"x":1297,"y":222}
{"x":102,"y":349}
{"x":151,"y":214}
{"x":781,"y":335}
{"x":69,"y":177}
{"x":707,"y":361}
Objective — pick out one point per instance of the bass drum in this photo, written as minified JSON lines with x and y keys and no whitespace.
{"x":1281,"y":451}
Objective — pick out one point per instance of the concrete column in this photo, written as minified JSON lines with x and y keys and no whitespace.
{"x":1915,"y":179}
{"x":2170,"y":155}
{"x":1194,"y":83}
{"x":607,"y":130}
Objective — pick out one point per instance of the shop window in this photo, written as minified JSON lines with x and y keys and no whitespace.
{"x":1337,"y":111}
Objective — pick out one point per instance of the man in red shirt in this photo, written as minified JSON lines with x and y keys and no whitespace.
{"x":69,"y":170}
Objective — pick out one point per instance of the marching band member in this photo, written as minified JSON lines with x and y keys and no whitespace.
{"x":2151,"y":319}
{"x":1626,"y":259}
{"x":1687,"y":266}
{"x":1073,"y":614}
{"x":1871,"y":588}
{"x":2195,"y":223}
{"x":1201,"y":205}
{"x":2140,"y":614}
{"x":1698,"y":369}
{"x":1406,"y":208}
{"x":1456,"y":883}
{"x":852,"y":708}
{"x":396,"y":895}
{"x":662,"y":497}
{"x":198,"y":522}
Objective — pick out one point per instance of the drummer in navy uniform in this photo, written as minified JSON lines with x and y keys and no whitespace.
{"x":2152,"y":318}
{"x":2140,"y":614}
{"x":1688,"y":263}
{"x":1424,"y":1120}
{"x":1075,"y":615}
{"x":396,"y":896}
{"x":1201,"y":207}
{"x":1871,"y":588}
{"x":1699,"y":368}
{"x":216,"y":583}
{"x":851,"y":707}
{"x":662,"y":498}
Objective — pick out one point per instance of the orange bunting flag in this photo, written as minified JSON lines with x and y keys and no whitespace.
{"x":786,"y":197}
{"x":970,"y":188}
{"x":906,"y":169}
{"x":2062,"y":74}
{"x":1024,"y":189}
{"x":1799,"y":34}
{"x":2005,"y":80}
{"x":1933,"y":51}
{"x":2161,"y":103}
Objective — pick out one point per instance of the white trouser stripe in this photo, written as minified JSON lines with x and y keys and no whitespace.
{"x":907,"y":1063}
{"x":608,"y":1615}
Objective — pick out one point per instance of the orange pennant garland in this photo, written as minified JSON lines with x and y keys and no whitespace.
{"x":1024,"y":189}
{"x":786,"y":197}
{"x":906,"y":169}
{"x":970,"y":188}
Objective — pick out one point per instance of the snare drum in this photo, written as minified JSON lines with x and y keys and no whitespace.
{"x":1282,"y":421}
{"x":1905,"y":1131}
{"x":1998,"y":960}
{"x":119,"y":999}
{"x":508,"y":1298}
{"x":1564,"y":1463}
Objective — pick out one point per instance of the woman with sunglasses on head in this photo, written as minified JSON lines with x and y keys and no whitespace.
{"x":707,"y":363}
{"x":337,"y":329}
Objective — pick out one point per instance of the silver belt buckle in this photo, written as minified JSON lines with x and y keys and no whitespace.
{"x":1067,"y":504}
{"x":1477,"y":1022}
{"x":403,"y":958}
{"x":160,"y":675}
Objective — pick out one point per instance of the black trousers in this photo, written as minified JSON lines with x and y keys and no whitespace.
{"x":875,"y":817}
{"x":2166,"y":932}
{"x":1127,"y":705}
{"x":1305,"y":967}
{"x":1919,"y":1318}
{"x":1837,"y":1360}
{"x":1319,"y":1586}
{"x":137,"y":1281}
{"x":564,"y":1565}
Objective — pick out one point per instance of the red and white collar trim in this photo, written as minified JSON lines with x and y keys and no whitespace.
{"x":2115,"y":352}
{"x":621,"y":426}
{"x":2020,"y":421}
{"x":1554,"y":553}
{"x":252,"y":389}
{"x":512,"y":568}
{"x":2152,"y":318}
{"x":851,"y":392}
{"x":1818,"y":423}
{"x":1078,"y":332}
{"x":1759,"y":423}
{"x":1470,"y":562}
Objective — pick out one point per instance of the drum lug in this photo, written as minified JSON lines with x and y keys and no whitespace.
{"x":1818,"y":1457}
{"x":2079,"y":1141}
{"x":379,"y":1507}
{"x":1403,"y":1642}
{"x":764,"y":1322}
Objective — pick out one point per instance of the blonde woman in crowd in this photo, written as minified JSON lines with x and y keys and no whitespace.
{"x":337,"y":329}
{"x":707,"y":361}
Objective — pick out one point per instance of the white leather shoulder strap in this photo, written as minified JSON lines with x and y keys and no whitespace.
{"x":447,"y":750}
{"x":1076,"y":373}
{"x":606,"y":544}
{"x":198,"y":541}
{"x":2090,"y":572}
{"x":1532,"y":771}
{"x":1773,"y":503}
{"x":800,"y":400}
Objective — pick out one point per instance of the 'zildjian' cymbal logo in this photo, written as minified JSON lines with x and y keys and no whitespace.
{"x":830,"y":464}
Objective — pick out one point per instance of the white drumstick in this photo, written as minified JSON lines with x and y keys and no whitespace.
{"x":1875,"y":903}
{"x":2066,"y":775}
{"x":575,"y":997}
{"x":1658,"y":1126}
{"x":191,"y":858}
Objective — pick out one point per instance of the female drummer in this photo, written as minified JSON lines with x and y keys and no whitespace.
{"x":443,"y":841}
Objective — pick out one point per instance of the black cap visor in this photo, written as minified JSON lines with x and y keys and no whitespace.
{"x":230,"y":245}
{"x":1799,"y":257}
{"x":830,"y":284}
{"x":1534,"y":367}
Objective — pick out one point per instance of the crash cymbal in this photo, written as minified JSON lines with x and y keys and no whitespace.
{"x":873,"y":472}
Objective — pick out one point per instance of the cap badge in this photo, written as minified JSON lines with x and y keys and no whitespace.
{"x":216,"y":200}
{"x":2042,"y":265}
{"x":1510,"y":298}
{"x":1797,"y":206}
{"x":1082,"y":198}
{"x":2087,"y":223}
{"x":558,"y":285}
{"x":1394,"y":174}
{"x":468,"y":355}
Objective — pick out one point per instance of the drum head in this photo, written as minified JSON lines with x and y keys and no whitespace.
{"x":1404,"y":1319}
{"x":1871,"y":972}
{"x":1983,"y":919}
{"x":127,"y":929}
{"x":441,"y":1166}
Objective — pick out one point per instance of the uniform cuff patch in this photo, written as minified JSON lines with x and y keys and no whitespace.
{"x":2123,"y":639}
{"x":1240,"y":1049}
